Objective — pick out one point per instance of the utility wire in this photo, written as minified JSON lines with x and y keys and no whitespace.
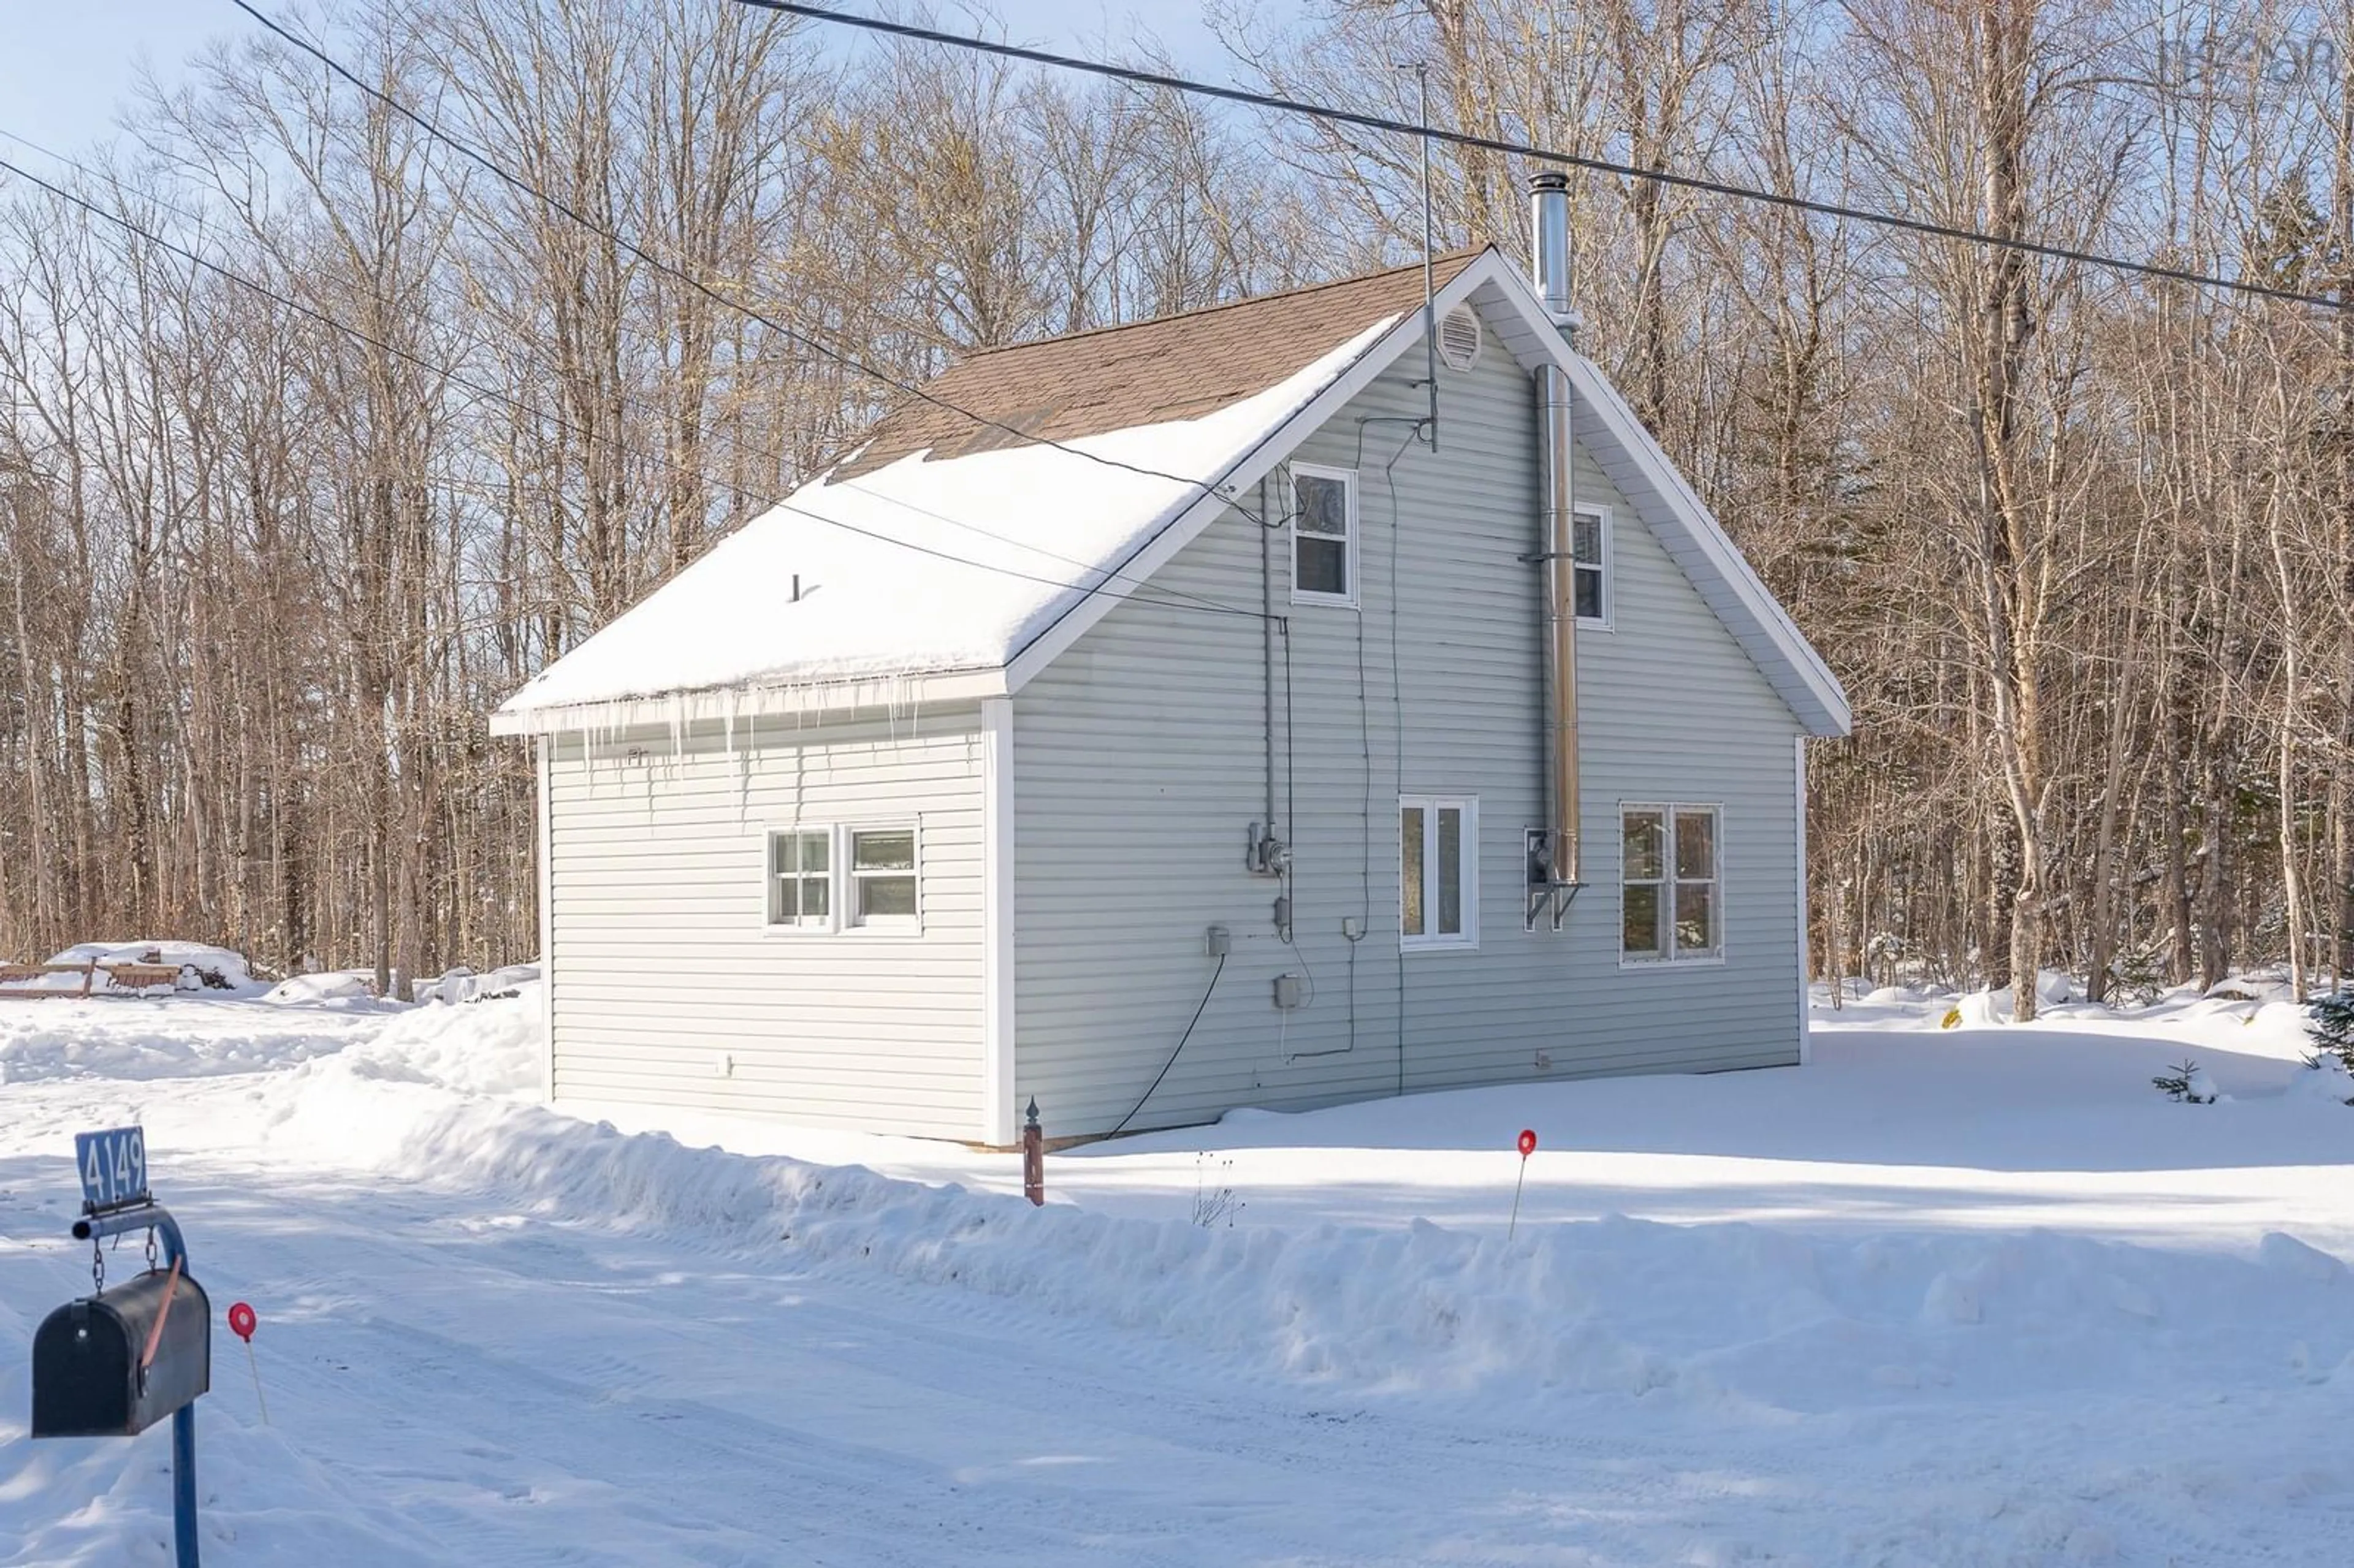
{"x":627,"y":400}
{"x":848,"y":361}
{"x":1363,"y":120}
{"x":494,"y":394}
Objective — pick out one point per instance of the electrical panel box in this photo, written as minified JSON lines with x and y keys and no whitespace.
{"x":1217,"y":942}
{"x":1287,"y":991}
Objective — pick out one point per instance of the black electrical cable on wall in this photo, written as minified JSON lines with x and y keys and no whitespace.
{"x":1199,"y":1009}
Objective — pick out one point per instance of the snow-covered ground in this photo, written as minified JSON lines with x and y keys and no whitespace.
{"x":1966,"y":1295}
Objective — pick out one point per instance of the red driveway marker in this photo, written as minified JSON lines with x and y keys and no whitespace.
{"x":1528,"y":1145}
{"x":242,"y":1322}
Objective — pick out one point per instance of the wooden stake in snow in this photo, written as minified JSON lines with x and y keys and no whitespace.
{"x":1034,"y":1157}
{"x":242,"y":1322}
{"x":1527,"y":1147}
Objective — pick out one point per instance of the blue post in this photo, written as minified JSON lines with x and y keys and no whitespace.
{"x":183,"y":1483}
{"x":184,"y":1420}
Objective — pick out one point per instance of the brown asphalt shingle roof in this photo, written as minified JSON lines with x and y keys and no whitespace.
{"x":1113,"y":378}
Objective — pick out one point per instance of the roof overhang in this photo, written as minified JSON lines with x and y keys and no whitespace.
{"x":802,"y":699}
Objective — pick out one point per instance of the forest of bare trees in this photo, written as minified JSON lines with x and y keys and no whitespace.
{"x":280,"y":528}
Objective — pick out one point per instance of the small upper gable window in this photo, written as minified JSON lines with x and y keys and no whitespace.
{"x":1323,"y":536}
{"x":1590,"y":550}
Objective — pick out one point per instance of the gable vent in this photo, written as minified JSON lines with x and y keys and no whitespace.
{"x":1459,"y":338}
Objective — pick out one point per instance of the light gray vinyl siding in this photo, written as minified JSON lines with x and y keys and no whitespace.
{"x":664,"y":969}
{"x":1139,"y":761}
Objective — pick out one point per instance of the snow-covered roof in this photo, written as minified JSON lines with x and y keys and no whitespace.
{"x":946,"y":544}
{"x":955,"y":555}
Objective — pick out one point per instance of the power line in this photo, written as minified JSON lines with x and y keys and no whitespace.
{"x":1363,"y":120}
{"x":493,"y":394}
{"x":848,"y":361}
{"x":138,"y":193}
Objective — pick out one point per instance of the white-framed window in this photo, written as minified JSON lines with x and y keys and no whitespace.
{"x":1589,"y":536}
{"x":1323,"y":535}
{"x":1438,"y":870}
{"x":1670,"y":884}
{"x":883,"y":880}
{"x":800,"y":878}
{"x":854,"y":877}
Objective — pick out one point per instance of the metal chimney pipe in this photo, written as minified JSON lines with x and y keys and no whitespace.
{"x":1549,"y":244}
{"x":1561,"y":863}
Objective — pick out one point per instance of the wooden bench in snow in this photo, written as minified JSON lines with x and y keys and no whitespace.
{"x":120,"y":976}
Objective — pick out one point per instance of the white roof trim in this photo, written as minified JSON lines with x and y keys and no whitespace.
{"x":1658,"y":492}
{"x":725,"y":705}
{"x":1240,"y":475}
{"x":1710,"y":559}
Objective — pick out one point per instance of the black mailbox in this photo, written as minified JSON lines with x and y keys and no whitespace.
{"x":87,"y":1378}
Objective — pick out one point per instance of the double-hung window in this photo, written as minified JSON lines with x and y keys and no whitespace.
{"x":844,"y":878}
{"x":801,"y":879}
{"x":1323,"y":536}
{"x":1671,"y":890}
{"x":1438,"y":872}
{"x":1589,"y":536}
{"x":883,"y":876}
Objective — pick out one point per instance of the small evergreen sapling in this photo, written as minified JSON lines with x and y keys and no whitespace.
{"x":2184,"y":1083}
{"x":2330,"y":1024}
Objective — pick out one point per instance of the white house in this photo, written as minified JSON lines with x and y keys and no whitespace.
{"x":1158,"y":720}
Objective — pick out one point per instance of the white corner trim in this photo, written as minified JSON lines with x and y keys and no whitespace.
{"x":1806,"y":967}
{"x":543,"y":746}
{"x":997,"y":1111}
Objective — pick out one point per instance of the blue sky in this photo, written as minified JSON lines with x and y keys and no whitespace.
{"x":67,"y":65}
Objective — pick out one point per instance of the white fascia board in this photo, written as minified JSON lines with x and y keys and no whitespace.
{"x":939,"y":688}
{"x":1240,"y":475}
{"x":1820,"y":705}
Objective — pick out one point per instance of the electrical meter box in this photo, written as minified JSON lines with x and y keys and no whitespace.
{"x":88,"y":1379}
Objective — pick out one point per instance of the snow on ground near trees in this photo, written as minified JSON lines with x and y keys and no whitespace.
{"x":1946,"y":1297}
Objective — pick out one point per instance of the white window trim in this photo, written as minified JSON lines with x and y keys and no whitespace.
{"x":1602,"y":622}
{"x":1347,"y":479}
{"x":1671,"y":960}
{"x":1468,"y":939}
{"x":841,"y":882}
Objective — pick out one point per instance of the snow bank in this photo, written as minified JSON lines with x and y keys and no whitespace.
{"x":186,"y":1035}
{"x":334,"y":988}
{"x":493,"y":1047}
{"x":1614,"y":1306}
{"x":2325,"y":1082}
{"x":464,"y":985}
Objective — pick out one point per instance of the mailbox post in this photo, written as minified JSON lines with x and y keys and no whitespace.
{"x":115,"y":1362}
